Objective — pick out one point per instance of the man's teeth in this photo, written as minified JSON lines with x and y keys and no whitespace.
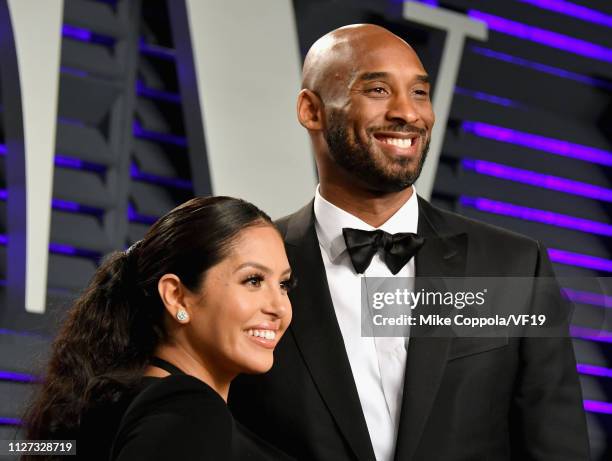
{"x":399,"y":142}
{"x":266,"y":334}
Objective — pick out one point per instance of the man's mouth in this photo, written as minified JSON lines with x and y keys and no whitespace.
{"x":401,"y":140}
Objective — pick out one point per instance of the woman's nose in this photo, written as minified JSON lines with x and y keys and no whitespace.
{"x":278,"y":303}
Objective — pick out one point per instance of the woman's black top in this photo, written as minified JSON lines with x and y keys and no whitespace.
{"x":180,"y":417}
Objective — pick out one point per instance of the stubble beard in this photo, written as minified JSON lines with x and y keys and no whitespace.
{"x":377,"y":172}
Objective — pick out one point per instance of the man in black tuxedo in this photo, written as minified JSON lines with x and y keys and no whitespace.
{"x":333,"y":395}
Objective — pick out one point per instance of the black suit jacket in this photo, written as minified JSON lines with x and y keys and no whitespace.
{"x":464,"y":398}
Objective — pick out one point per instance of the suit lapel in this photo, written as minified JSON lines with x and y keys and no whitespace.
{"x":442,"y":255}
{"x":317,"y":334}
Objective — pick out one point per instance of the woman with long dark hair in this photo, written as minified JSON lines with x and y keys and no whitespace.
{"x":142,"y":366}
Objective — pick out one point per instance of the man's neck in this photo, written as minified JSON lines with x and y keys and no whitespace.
{"x":371,"y":207}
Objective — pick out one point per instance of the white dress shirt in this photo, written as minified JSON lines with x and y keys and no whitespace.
{"x":377,"y":364}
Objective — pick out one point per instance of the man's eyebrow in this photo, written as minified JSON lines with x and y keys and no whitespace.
{"x":367,"y":76}
{"x":372,"y":76}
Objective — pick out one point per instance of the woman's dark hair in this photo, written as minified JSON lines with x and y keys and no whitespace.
{"x":113,"y":328}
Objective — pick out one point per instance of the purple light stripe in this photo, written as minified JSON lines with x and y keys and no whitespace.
{"x":157,"y":51}
{"x":587,"y":297}
{"x":77,"y":33}
{"x":595,"y":406}
{"x":73,"y":71}
{"x":77,"y":164}
{"x":536,"y":215}
{"x":69,"y":162}
{"x":488,"y":97}
{"x":579,"y":260}
{"x":134,"y":216}
{"x":64,"y":205}
{"x":4,"y":331}
{"x":544,"y":37}
{"x":74,"y":207}
{"x":593,"y":370}
{"x":143,"y":90}
{"x":10,"y":422}
{"x":85,"y":35}
{"x":140,"y":132}
{"x":17,"y":377}
{"x":62,"y":249}
{"x":546,"y":217}
{"x":532,"y":178}
{"x":172,"y":182}
{"x":537,"y":142}
{"x":590,"y":334}
{"x":70,"y":121}
{"x":592,"y":81}
{"x":571,"y":9}
{"x":69,"y":250}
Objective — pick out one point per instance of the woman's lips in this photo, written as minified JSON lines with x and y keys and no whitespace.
{"x":263,"y":337}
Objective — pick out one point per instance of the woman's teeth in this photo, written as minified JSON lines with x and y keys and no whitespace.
{"x":265,"y":334}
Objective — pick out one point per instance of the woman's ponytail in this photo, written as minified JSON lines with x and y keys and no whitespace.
{"x":101,"y":350}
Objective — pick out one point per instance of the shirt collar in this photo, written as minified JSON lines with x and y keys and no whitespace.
{"x":329,"y":221}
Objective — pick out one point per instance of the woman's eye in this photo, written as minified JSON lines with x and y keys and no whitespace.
{"x":422,"y":92}
{"x":288,"y":284}
{"x":253,"y":280}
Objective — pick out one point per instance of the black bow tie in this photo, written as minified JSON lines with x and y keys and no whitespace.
{"x":398,"y":248}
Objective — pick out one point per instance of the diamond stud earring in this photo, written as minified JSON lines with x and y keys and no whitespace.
{"x":182,"y":315}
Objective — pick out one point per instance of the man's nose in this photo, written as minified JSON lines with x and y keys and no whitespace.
{"x":402,"y":107}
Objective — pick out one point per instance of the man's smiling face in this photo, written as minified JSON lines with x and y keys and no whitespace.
{"x":378,"y":128}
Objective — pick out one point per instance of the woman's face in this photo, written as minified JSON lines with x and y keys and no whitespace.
{"x":242,"y":309}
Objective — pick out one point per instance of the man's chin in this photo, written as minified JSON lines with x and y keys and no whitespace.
{"x":385,"y":181}
{"x":388,"y":185}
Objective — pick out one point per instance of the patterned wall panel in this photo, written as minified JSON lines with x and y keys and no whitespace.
{"x":529,"y":149}
{"x":121,"y":162}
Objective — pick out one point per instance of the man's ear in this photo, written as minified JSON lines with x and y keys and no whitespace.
{"x":172,"y":293}
{"x":310,"y":110}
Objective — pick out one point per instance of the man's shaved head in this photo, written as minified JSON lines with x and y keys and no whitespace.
{"x":329,"y":62}
{"x":365,"y":102}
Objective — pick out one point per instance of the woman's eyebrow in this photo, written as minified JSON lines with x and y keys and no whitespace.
{"x":259,"y":266}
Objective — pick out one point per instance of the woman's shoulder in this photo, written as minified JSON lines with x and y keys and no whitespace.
{"x":167,"y":410}
{"x":177,"y":386}
{"x":183,"y":395}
